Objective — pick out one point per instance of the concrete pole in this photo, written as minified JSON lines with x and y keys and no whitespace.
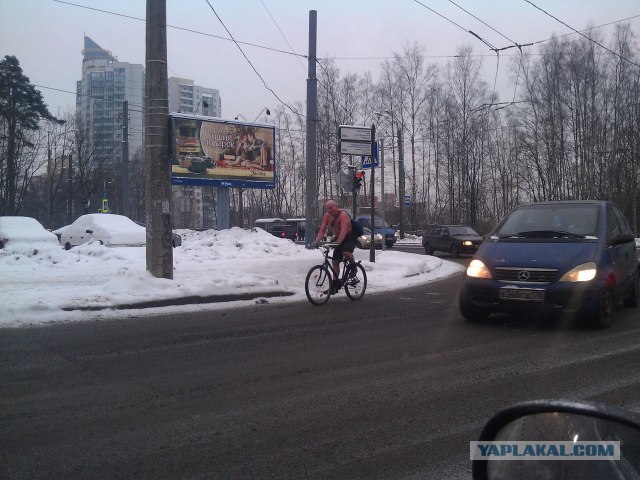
{"x":158,"y":186}
{"x":126,"y":210}
{"x":311,"y":196}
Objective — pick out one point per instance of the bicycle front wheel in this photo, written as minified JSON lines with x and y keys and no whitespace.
{"x":356,"y":286}
{"x":317,"y":286}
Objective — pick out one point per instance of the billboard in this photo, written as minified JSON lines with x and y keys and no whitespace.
{"x":208,"y":151}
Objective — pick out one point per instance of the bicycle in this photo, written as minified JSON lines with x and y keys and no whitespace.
{"x":319,"y":285}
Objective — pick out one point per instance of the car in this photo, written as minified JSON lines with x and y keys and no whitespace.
{"x":17,"y":229}
{"x":454,"y":239}
{"x":567,"y":259}
{"x":380,"y":225}
{"x":284,"y":230}
{"x":107,"y":228}
{"x":364,"y":240}
{"x":176,"y":239}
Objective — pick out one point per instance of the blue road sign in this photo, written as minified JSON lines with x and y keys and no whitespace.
{"x":366,"y":161}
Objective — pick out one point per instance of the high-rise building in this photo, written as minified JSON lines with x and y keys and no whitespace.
{"x":105,"y":84}
{"x":186,"y":97}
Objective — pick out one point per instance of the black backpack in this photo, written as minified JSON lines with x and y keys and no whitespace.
{"x":356,"y":228}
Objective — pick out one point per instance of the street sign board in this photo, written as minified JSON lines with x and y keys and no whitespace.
{"x":355,"y":148}
{"x":357,"y":134}
{"x":366,"y":161}
{"x":407,"y":200}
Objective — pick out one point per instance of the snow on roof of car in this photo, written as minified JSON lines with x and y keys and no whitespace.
{"x":25,"y":229}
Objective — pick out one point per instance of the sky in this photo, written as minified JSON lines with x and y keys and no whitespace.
{"x":47,"y":38}
{"x":36,"y":287}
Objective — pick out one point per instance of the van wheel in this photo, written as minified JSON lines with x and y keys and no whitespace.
{"x":633,"y":300}
{"x":603,"y":316}
{"x":454,"y":250}
{"x":67,"y":246}
{"x":427,"y":249}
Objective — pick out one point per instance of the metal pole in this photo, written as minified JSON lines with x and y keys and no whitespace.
{"x":49,"y":187}
{"x":158,"y":187}
{"x":312,"y":120}
{"x":240,"y":207}
{"x":126,"y":211}
{"x":372,"y":246}
{"x":401,"y":181}
{"x":381,"y":155}
{"x":69,"y":191}
{"x":354,"y":193}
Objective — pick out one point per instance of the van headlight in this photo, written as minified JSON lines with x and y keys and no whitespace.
{"x":581,"y":273}
{"x":477,"y":269}
{"x":467,"y":243}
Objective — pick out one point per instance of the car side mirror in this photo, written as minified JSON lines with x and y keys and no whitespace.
{"x":622,"y":238}
{"x":516,"y":442}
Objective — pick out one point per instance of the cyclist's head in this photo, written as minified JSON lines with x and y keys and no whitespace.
{"x":331,"y":206}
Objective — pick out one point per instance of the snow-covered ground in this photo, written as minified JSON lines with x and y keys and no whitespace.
{"x":39,"y":281}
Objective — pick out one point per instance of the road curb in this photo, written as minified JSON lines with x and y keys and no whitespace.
{"x":191,"y":300}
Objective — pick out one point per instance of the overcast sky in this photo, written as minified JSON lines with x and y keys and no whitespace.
{"x":47,"y":38}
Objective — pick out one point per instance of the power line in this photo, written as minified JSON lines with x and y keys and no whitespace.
{"x":503,"y":36}
{"x":282,"y":33}
{"x":580,"y":33}
{"x":182,"y":28}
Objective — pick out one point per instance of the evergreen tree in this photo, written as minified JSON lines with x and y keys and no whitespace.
{"x":21,"y":108}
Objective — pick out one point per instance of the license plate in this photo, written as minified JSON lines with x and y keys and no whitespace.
{"x":525,"y":294}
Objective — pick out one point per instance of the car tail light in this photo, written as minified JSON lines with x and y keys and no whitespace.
{"x":282,"y":234}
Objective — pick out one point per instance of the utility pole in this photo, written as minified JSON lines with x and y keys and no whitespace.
{"x":372,"y":246}
{"x":69,"y":191}
{"x":381,"y":155}
{"x":158,"y":186}
{"x":401,"y":181}
{"x":312,"y":121}
{"x":126,"y":211}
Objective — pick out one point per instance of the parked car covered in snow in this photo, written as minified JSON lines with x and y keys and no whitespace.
{"x":107,"y":228}
{"x":24,"y":230}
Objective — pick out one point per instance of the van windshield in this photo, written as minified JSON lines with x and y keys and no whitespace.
{"x":539,"y":220}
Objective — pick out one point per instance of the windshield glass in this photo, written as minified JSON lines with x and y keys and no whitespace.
{"x":380,"y":223}
{"x":578,"y":219}
{"x":462,"y":231}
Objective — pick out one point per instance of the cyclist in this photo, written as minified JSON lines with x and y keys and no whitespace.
{"x":341,"y":226}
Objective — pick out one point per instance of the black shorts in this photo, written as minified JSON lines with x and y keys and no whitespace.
{"x":348,"y":245}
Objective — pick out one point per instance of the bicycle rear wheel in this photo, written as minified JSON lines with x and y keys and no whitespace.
{"x":356,"y":286}
{"x":317,"y":286}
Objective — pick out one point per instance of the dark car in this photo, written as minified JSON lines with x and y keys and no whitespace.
{"x":574,"y":259}
{"x":380,"y":227}
{"x":455,"y":239}
{"x":284,"y":230}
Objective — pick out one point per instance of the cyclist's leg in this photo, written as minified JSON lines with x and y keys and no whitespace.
{"x":335,"y":262}
{"x":348,"y":246}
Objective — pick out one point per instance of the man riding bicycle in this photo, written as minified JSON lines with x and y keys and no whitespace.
{"x":341,"y":226}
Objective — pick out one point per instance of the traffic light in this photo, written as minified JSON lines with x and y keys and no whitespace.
{"x":358,"y":178}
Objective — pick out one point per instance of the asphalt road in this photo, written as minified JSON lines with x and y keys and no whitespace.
{"x":394,"y":386}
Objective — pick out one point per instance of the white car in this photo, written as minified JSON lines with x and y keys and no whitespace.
{"x":24,"y":230}
{"x":107,"y":228}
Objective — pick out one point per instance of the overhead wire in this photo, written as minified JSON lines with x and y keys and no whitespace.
{"x":583,"y":35}
{"x":251,"y":64}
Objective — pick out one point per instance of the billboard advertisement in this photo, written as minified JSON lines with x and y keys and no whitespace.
{"x":208,"y":151}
